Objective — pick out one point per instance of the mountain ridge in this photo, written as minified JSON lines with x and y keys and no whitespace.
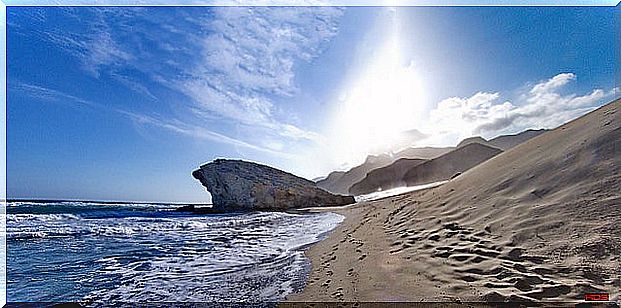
{"x":341,"y":182}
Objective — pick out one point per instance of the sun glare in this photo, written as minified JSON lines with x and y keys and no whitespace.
{"x":380,"y":104}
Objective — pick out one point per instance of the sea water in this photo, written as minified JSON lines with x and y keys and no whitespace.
{"x":102,"y":252}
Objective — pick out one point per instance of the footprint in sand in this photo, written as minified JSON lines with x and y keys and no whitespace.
{"x":338,"y":294}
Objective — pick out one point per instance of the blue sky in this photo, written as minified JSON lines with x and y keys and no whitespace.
{"x":123,"y":103}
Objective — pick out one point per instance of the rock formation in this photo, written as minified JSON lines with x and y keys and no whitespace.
{"x":237,"y":185}
{"x":196,"y":210}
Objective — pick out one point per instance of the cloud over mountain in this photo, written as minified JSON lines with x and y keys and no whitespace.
{"x":542,"y":106}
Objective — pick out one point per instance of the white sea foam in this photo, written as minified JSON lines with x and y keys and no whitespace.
{"x":170,"y":257}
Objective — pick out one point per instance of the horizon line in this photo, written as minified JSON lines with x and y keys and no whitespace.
{"x":44,"y":200}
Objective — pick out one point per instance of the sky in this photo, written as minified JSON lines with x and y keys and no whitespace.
{"x":123,"y":103}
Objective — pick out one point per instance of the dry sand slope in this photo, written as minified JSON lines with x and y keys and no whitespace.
{"x":536,"y":223}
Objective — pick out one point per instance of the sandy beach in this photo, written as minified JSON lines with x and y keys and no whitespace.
{"x":536,"y":223}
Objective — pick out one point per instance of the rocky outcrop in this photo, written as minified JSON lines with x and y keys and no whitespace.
{"x":196,"y":210}
{"x":237,"y":185}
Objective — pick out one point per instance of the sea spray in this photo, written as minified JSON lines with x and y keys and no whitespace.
{"x":73,"y":251}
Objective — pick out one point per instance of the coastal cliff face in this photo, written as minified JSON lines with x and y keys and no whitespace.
{"x":237,"y":185}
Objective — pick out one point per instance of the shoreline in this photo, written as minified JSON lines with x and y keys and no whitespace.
{"x":324,"y":282}
{"x":337,"y":260}
{"x":374,"y":255}
{"x":526,"y":226}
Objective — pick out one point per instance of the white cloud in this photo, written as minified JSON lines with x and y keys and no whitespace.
{"x":44,"y":94}
{"x":134,"y":86}
{"x":552,"y":84}
{"x":49,"y":95}
{"x":232,"y":63}
{"x":541,"y":106}
{"x":199,"y":132}
{"x":96,"y":48}
{"x":249,"y":56}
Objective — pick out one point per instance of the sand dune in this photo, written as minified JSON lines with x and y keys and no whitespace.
{"x":385,"y":178}
{"x":538,"y":222}
{"x":506,"y":142}
{"x":449,"y":164}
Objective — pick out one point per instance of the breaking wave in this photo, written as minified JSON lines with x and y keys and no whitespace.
{"x":75,"y":251}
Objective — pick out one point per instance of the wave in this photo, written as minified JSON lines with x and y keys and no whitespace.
{"x":81,"y":207}
{"x":253,"y":263}
{"x":235,"y":257}
{"x":77,"y":251}
{"x":40,"y":214}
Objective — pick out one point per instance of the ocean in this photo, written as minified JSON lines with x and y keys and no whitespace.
{"x":107,"y":252}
